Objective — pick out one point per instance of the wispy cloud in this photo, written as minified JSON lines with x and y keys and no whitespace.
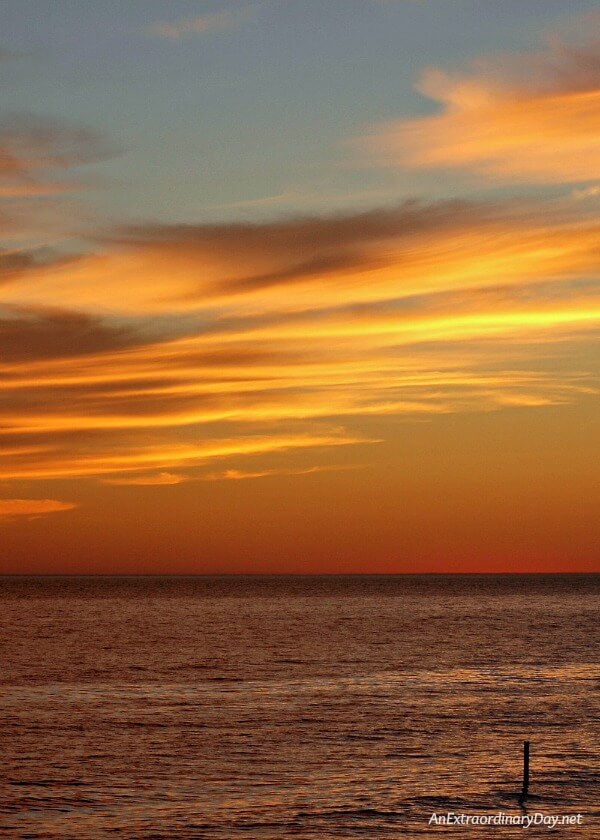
{"x":97,"y":456}
{"x":39,"y":332}
{"x":216,"y":22}
{"x":165,"y":478}
{"x":35,"y":151}
{"x":158,"y":479}
{"x":314,"y":264}
{"x":43,"y":164}
{"x":205,"y":351}
{"x":532,"y":118}
{"x":31,"y":508}
{"x":276,"y":331}
{"x":241,"y":475}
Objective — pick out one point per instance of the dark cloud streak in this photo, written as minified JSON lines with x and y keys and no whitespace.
{"x":27,"y":334}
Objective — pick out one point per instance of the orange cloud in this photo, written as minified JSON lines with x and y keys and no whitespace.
{"x":240,"y":475}
{"x":12,"y":508}
{"x":294,"y":266}
{"x":147,"y":480}
{"x":140,"y":456}
{"x":527,"y":119}
{"x":181,"y":345}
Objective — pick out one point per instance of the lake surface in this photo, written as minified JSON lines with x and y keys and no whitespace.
{"x":305,"y":707}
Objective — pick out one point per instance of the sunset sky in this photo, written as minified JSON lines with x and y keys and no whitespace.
{"x":299,"y":286}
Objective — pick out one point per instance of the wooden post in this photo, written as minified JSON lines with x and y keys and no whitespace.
{"x":525,"y":790}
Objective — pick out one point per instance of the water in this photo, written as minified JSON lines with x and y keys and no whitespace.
{"x":273,"y":707}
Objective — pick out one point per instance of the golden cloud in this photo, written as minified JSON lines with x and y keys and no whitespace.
{"x":207,"y":352}
{"x":229,"y":271}
{"x":241,"y":475}
{"x":12,"y":508}
{"x":156,"y":480}
{"x":180,"y":345}
{"x":83,"y":461}
{"x":527,"y":119}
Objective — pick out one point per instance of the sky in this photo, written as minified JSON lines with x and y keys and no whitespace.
{"x":299,"y":286}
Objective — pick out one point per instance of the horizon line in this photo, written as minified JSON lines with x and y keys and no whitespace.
{"x":289,"y":574}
